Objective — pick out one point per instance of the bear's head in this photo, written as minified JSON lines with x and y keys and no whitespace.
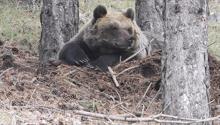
{"x":111,"y":32}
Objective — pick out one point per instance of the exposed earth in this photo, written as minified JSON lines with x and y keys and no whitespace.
{"x":31,"y":98}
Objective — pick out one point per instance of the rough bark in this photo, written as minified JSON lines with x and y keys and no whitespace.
{"x":149,"y":18}
{"x":59,"y":21}
{"x":185,"y":71}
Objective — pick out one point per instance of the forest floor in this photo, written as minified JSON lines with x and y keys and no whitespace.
{"x":58,"y":96}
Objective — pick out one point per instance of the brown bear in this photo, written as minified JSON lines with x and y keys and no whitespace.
{"x":107,"y":38}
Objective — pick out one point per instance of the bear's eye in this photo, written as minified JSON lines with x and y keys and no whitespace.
{"x":130,"y":30}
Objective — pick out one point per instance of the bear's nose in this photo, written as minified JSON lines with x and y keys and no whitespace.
{"x":130,"y":41}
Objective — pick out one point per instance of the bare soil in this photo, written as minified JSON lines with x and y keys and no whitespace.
{"x":31,"y":98}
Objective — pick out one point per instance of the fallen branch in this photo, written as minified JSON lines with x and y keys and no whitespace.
{"x":125,"y":115}
{"x":113,"y":76}
{"x":152,"y":118}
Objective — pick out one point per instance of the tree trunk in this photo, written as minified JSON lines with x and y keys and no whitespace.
{"x":148,"y":15}
{"x":59,"y":21}
{"x":149,"y":18}
{"x":185,"y":70}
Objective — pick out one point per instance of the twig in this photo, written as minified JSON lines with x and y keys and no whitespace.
{"x":211,"y":44}
{"x":166,"y":106}
{"x":133,"y":55}
{"x":5,"y":71}
{"x":127,"y":111}
{"x":32,"y":94}
{"x":130,"y":68}
{"x":113,"y":76}
{"x":211,"y":101}
{"x":69,"y":73}
{"x":73,"y":81}
{"x":153,"y":99}
{"x":119,"y":96}
{"x":109,"y":121}
{"x":142,"y":112}
{"x":143,"y":96}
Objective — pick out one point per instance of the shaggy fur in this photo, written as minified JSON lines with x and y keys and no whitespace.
{"x":106,"y":38}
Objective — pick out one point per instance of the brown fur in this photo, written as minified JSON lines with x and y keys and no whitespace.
{"x":108,"y":35}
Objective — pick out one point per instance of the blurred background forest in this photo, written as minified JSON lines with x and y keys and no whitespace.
{"x":20,"y":23}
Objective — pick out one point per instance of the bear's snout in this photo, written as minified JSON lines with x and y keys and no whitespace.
{"x":131,"y":41}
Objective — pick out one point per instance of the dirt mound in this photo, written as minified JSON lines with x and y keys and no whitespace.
{"x":133,"y":77}
{"x":65,"y":88}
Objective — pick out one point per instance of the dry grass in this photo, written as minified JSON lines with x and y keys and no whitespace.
{"x":214,"y":39}
{"x":19,"y":25}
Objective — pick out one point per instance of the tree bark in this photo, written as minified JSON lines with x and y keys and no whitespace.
{"x":59,"y":21}
{"x":185,"y":70}
{"x":149,"y":16}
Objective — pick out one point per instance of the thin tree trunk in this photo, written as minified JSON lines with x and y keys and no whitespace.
{"x":149,"y":16}
{"x":185,"y":70}
{"x":59,"y":21}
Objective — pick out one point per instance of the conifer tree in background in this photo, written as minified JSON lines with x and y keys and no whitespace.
{"x":59,"y":21}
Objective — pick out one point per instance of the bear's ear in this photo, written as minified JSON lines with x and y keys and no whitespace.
{"x":100,"y":11}
{"x":129,"y":13}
